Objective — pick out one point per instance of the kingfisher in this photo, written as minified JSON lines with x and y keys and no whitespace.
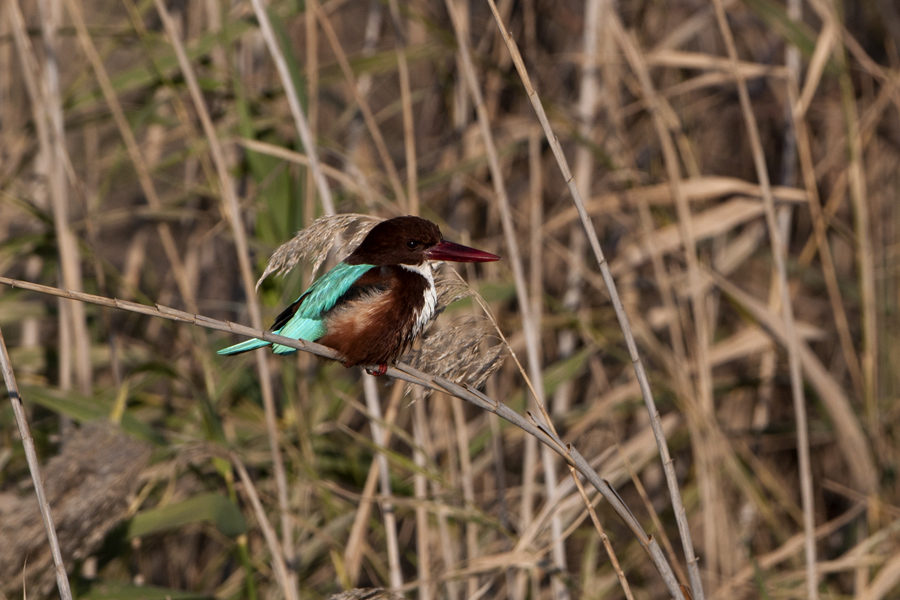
{"x":371,"y":306}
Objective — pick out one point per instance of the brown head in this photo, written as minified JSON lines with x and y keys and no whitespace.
{"x":411,"y":241}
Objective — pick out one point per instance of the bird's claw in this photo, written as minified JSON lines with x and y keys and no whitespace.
{"x":378,"y":371}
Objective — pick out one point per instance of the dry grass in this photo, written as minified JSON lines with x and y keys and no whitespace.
{"x":149,"y":151}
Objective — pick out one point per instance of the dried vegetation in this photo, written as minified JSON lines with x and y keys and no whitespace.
{"x":149,"y":151}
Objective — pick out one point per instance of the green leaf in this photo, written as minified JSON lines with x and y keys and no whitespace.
{"x":87,"y":408}
{"x":794,"y":32}
{"x":123,"y":590}
{"x":211,"y":507}
{"x":566,"y":369}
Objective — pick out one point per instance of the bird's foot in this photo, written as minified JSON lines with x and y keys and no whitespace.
{"x":378,"y":371}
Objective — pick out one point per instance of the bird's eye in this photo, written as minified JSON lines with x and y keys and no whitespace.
{"x":412,"y":244}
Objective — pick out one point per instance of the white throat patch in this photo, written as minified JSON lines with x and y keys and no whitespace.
{"x":427,"y":313}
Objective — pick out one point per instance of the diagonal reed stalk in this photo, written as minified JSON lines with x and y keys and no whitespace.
{"x":62,"y":579}
{"x":528,"y":423}
{"x":529,"y":304}
{"x":779,"y":252}
{"x":233,"y":215}
{"x":680,"y":515}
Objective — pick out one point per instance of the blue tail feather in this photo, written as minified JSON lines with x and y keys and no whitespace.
{"x":279,"y":349}
{"x":243,"y":347}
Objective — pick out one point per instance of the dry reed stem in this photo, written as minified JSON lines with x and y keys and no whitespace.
{"x":865,"y":262}
{"x":588,"y":101}
{"x":421,"y":451}
{"x":406,"y":373}
{"x":409,"y":137}
{"x":47,"y":116}
{"x":453,"y":589}
{"x":529,"y":317}
{"x":279,"y":560}
{"x":613,"y":559}
{"x":363,"y":105}
{"x":62,"y":579}
{"x":232,"y":212}
{"x":353,"y":552}
{"x":73,"y":321}
{"x":779,"y":252}
{"x":820,"y":238}
{"x":850,"y":436}
{"x":467,"y":483}
{"x":356,"y":127}
{"x":825,"y":42}
{"x":290,"y":92}
{"x":536,"y":275}
{"x":373,"y":405}
{"x":654,"y":515}
{"x":134,"y":153}
{"x":311,"y":120}
{"x":696,"y":585}
{"x":700,"y":412}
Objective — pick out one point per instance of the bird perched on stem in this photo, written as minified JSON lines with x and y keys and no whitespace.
{"x":371,"y":306}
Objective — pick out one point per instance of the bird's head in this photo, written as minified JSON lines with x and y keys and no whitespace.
{"x":411,"y":241}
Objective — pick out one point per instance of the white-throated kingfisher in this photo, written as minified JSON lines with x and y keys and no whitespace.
{"x":371,"y":306}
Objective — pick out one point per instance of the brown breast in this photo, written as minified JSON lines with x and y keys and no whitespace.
{"x":376,"y":326}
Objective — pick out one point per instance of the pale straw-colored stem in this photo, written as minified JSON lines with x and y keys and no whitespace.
{"x":680,"y":515}
{"x":356,"y":543}
{"x":530,"y":316}
{"x":404,"y":372}
{"x":62,"y":579}
{"x":279,"y":561}
{"x":134,"y":151}
{"x":778,"y":253}
{"x":373,"y":405}
{"x":232,"y":212}
{"x":362,"y":104}
{"x":409,"y":134}
{"x":47,"y":106}
{"x":290,"y":92}
{"x":421,"y":452}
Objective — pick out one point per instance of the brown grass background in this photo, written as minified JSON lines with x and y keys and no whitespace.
{"x":117,"y":180}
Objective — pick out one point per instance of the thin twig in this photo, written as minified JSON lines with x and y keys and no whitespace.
{"x":62,"y":579}
{"x":680,"y":514}
{"x":368,"y":116}
{"x":421,"y":453}
{"x":404,"y":372}
{"x":278,"y":559}
{"x":290,"y":92}
{"x":529,"y":316}
{"x":778,"y":253}
{"x":232,"y":212}
{"x":141,"y":168}
{"x":373,"y":405}
{"x":613,"y":559}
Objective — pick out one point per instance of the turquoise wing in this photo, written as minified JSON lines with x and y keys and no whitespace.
{"x":304,"y":319}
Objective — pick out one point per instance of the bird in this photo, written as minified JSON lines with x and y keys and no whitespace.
{"x":371,"y":306}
